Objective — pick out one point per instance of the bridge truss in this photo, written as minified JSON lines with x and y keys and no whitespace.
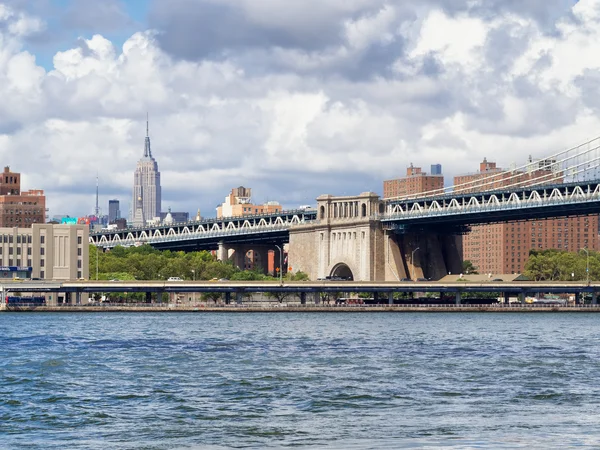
{"x":207,"y":233}
{"x":564,"y":184}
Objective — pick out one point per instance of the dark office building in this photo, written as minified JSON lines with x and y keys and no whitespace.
{"x":114,"y":212}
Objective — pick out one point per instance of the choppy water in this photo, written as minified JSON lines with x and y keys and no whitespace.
{"x":312,"y":380}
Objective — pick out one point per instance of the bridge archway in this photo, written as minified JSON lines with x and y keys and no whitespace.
{"x":343,"y":271}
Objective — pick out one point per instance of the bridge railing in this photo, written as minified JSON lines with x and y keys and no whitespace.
{"x":192,"y":235}
{"x":506,"y":204}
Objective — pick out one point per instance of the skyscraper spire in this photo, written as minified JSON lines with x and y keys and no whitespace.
{"x":97,"y":207}
{"x":147,"y":151}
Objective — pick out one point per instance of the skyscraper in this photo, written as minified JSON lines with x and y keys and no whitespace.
{"x":113,"y":210}
{"x":146,"y":197}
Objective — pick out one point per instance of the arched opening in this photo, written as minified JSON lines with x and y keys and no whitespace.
{"x":322,"y":212}
{"x":363,"y":210}
{"x":341,"y":272}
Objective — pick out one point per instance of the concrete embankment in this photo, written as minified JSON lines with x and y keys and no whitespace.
{"x":291,"y":308}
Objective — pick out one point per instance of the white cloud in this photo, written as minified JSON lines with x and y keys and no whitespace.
{"x":399,"y":86}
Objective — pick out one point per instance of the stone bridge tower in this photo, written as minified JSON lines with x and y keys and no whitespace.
{"x":348,"y":240}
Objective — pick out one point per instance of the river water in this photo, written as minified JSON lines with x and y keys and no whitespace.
{"x":302,"y":380}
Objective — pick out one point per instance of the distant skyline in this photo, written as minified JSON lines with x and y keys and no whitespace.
{"x":293,"y":98}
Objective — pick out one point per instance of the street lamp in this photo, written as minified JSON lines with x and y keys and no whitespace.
{"x":412,"y":262}
{"x":587,"y":265}
{"x":280,"y":264}
{"x":194,"y":279}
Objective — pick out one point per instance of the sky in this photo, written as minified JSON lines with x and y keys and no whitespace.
{"x":292,"y":98}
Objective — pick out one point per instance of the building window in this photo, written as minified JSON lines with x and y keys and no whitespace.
{"x":79,"y":264}
{"x":29,"y":250}
{"x":79,"y":252}
{"x":10,"y":238}
{"x":41,"y":263}
{"x":29,"y":239}
{"x":79,"y":275}
{"x":42,"y":251}
{"x":79,"y":240}
{"x":10,"y":262}
{"x":18,"y":250}
{"x":18,"y":239}
{"x":19,"y":262}
{"x":42,"y":239}
{"x":28,"y":263}
{"x":42,"y":274}
{"x":10,"y":250}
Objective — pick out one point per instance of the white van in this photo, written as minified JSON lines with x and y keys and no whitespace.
{"x":174,"y":279}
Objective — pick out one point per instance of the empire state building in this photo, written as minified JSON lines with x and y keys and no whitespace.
{"x":146,"y":188}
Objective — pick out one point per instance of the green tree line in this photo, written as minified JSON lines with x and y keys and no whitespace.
{"x":148,"y":263}
{"x":558,"y":265}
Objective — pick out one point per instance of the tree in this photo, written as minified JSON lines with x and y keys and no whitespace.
{"x":469,"y":268}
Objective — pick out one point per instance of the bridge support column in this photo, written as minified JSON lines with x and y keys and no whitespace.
{"x":522,"y":298}
{"x":78,"y":297}
{"x":222,"y":252}
{"x":394,"y":265}
{"x":457,"y":299}
{"x":303,"y":298}
{"x":261,"y":257}
{"x":376,"y":298}
{"x":239,"y":297}
{"x":159,"y":297}
{"x":317,"y":297}
{"x":148,"y":297}
{"x":428,"y":255}
{"x":594,"y":298}
{"x":577,"y":298}
{"x":227,"y":298}
{"x":390,"y":298}
{"x":506,"y":298}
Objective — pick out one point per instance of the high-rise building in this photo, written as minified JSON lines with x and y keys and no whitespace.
{"x":146,"y":199}
{"x":504,"y":247}
{"x":415,"y":182}
{"x":239,"y":203}
{"x":114,"y":212}
{"x":19,"y":209}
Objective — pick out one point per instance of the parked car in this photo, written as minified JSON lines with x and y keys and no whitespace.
{"x":174,"y":279}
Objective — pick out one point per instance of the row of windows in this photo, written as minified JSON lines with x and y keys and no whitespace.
{"x":11,"y":262}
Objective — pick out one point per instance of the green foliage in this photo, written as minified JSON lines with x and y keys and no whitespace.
{"x":469,"y":268}
{"x":558,"y":265}
{"x":147,"y":263}
{"x":298,"y":276}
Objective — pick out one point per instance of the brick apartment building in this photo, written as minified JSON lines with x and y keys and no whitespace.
{"x":415,"y":182}
{"x":504,"y":247}
{"x":19,"y":209}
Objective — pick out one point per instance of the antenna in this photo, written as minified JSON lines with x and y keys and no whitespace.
{"x":147,"y":133}
{"x":97,"y":208}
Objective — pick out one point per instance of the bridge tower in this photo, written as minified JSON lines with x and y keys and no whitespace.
{"x":349,"y":240}
{"x":346,"y":240}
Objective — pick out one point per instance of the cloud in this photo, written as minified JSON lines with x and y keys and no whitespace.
{"x":296,"y":101}
{"x":94,"y":16}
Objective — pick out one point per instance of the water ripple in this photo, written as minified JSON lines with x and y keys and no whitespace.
{"x":215,"y":381}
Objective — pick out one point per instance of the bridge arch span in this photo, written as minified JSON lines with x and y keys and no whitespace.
{"x":342,"y":269}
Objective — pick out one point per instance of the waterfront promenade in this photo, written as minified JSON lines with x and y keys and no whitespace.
{"x":277,"y":308}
